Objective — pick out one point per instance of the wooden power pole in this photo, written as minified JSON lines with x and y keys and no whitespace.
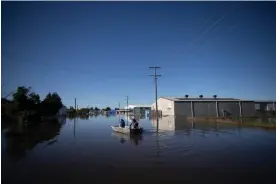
{"x":127,"y":109}
{"x":155,"y":81}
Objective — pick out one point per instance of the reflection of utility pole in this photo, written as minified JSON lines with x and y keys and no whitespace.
{"x":75,"y":117}
{"x":157,"y":147}
{"x":155,"y":80}
{"x":74,"y":126}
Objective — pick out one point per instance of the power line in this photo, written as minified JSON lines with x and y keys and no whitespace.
{"x":155,"y":80}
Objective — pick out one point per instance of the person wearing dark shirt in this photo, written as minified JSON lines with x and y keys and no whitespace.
{"x":122,"y":123}
{"x":135,"y":124}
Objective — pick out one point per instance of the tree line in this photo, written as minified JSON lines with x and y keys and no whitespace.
{"x":28,"y":105}
{"x":72,"y":110}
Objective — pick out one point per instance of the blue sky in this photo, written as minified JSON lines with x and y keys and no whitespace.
{"x":99,"y":52}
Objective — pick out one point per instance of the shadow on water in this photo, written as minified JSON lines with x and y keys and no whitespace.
{"x":131,"y":138}
{"x":19,"y":138}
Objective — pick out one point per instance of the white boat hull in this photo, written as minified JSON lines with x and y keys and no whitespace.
{"x":126,"y":130}
{"x":121,"y":129}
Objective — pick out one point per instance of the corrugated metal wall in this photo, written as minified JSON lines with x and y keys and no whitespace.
{"x":140,"y":110}
{"x":248,"y":109}
{"x":205,"y":109}
{"x":232,"y":108}
{"x":264,"y":106}
{"x":182,"y":108}
{"x":208,"y":109}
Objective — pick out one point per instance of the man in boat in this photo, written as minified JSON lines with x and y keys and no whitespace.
{"x":134,"y":124}
{"x":122,"y":123}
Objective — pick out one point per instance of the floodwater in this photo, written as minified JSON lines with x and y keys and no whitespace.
{"x":87,"y":151}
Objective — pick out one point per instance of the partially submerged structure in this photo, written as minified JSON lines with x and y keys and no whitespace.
{"x":210,"y":107}
{"x":135,"y":109}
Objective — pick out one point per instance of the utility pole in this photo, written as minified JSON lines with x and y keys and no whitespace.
{"x":119,"y":113}
{"x":155,"y":80}
{"x":127,"y":109}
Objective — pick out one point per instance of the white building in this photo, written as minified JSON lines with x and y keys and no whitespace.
{"x":165,"y":105}
{"x":137,"y":106}
{"x":138,"y":109}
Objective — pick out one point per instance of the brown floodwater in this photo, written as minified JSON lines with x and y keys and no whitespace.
{"x":88,"y":151}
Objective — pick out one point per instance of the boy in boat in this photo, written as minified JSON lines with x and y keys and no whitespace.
{"x":135,"y":124}
{"x":122,"y":123}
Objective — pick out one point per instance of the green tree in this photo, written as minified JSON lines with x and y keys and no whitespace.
{"x":51,"y":104}
{"x":107,"y":109}
{"x":71,"y":111}
{"x":35,"y":98}
{"x":26,"y":100}
{"x":97,"y":109}
{"x":71,"y":108}
{"x":34,"y":102}
{"x":84,"y":111}
{"x":20,"y":97}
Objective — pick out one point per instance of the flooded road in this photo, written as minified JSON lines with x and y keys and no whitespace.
{"x":88,"y":151}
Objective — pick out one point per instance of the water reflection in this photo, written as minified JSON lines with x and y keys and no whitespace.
{"x":176,"y":123}
{"x":131,"y":138}
{"x":262,"y":120}
{"x":83,"y":117}
{"x":130,"y":117}
{"x":172,"y":123}
{"x":98,"y":151}
{"x":19,"y":138}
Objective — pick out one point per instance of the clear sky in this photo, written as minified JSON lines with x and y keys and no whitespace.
{"x":99,"y":52}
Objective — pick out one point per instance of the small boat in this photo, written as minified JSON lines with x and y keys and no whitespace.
{"x":127,"y":130}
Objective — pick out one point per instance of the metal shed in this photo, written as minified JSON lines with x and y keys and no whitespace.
{"x":206,"y":107}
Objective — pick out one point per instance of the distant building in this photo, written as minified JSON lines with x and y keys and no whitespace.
{"x":138,"y":109}
{"x":210,"y":107}
{"x":263,"y":106}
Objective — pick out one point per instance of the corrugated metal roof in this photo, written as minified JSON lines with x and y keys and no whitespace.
{"x":200,"y":99}
{"x":206,"y":99}
{"x":179,"y":99}
{"x":264,"y":101}
{"x":133,"y":106}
